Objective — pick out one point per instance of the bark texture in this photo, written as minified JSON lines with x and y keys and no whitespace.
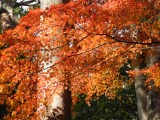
{"x":148,"y":101}
{"x":7,"y":19}
{"x":140,"y":91}
{"x":153,"y":98}
{"x":59,"y":107}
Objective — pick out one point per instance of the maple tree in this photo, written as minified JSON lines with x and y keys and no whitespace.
{"x":92,"y":40}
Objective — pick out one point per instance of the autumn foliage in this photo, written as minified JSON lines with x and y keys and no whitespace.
{"x":90,"y":40}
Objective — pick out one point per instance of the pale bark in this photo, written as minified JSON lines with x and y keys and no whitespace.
{"x":60,"y":98}
{"x":47,"y":3}
{"x":153,"y":98}
{"x":148,"y":101}
{"x":141,"y":97}
{"x":140,"y":91}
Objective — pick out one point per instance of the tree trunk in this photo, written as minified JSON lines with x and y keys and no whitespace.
{"x":148,"y":101}
{"x":140,"y":91}
{"x":55,"y":106}
{"x":47,"y":3}
{"x":153,"y":98}
{"x":7,"y":20}
{"x":60,"y":106}
{"x":67,"y":102}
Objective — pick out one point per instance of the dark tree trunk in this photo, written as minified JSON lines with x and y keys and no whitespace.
{"x":67,"y":104}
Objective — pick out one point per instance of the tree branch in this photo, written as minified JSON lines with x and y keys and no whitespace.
{"x":26,"y":3}
{"x":129,"y":42}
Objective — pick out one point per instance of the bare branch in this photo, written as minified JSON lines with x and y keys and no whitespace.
{"x":26,"y":3}
{"x":129,"y":42}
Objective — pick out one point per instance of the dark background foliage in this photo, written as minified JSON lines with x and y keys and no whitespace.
{"x":123,"y":107}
